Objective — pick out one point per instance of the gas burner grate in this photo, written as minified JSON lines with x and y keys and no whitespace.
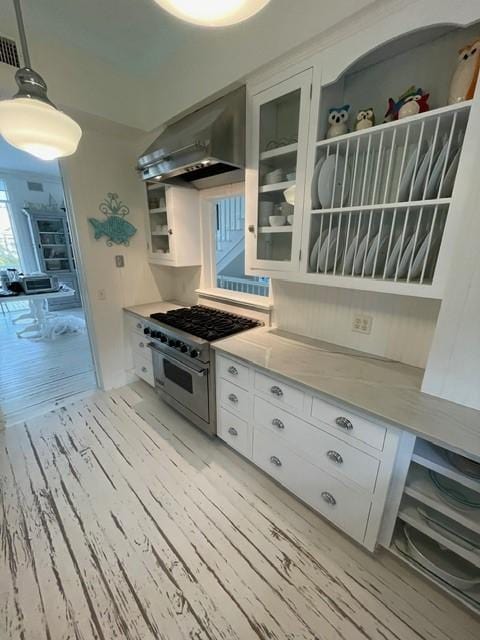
{"x":205,"y":322}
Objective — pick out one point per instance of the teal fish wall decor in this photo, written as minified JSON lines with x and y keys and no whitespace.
{"x":116,"y":229}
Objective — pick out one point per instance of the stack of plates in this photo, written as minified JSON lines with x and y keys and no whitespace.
{"x":330,"y":178}
{"x":454,"y":493}
{"x":322,"y":256}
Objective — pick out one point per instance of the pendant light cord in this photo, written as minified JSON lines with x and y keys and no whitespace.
{"x":21,"y":32}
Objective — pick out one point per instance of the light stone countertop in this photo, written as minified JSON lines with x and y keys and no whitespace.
{"x":383,"y":389}
{"x":144,"y":310}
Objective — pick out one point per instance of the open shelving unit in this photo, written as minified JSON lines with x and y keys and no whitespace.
{"x":380,"y":197}
{"x":450,"y":529}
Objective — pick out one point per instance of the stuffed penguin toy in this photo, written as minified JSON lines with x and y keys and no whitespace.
{"x":338,"y":121}
{"x":365,"y":119}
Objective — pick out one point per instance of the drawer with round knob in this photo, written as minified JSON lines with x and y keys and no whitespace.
{"x":323,"y":449}
{"x":144,"y":368}
{"x":234,"y":398}
{"x":279,"y":392}
{"x":339,"y":502}
{"x":235,"y":432}
{"x":349,"y":424}
{"x":233,"y":371}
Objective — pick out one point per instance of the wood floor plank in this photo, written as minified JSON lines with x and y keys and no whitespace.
{"x":130,"y":523}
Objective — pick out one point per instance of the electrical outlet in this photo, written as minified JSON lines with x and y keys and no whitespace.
{"x":119,"y":261}
{"x":101,"y":294}
{"x":362,"y":324}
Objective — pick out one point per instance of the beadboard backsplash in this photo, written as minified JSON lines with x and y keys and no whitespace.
{"x":402,"y":327}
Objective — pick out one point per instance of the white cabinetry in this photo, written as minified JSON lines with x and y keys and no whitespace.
{"x":277,"y":152}
{"x":337,"y":462}
{"x":173,"y":226}
{"x":142,"y":356}
{"x":377,"y":207}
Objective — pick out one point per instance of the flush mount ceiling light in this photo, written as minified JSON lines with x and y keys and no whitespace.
{"x":29,"y":121}
{"x":213,"y":13}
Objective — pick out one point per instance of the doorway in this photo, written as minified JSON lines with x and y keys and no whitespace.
{"x":46,"y":355}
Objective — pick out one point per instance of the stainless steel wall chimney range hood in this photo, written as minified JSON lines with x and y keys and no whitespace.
{"x":204,"y":149}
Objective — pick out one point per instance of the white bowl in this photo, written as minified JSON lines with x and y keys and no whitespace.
{"x":277,"y":221}
{"x":274,"y":176}
{"x":289,"y":194}
{"x":290,"y":219}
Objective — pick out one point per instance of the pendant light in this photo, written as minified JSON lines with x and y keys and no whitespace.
{"x":29,"y":121}
{"x":213,"y":13}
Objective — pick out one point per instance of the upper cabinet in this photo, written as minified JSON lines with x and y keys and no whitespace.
{"x":376,"y":189}
{"x":277,"y":153}
{"x":173,"y":226}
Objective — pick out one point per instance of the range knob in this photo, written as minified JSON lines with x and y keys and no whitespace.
{"x":163,"y":337}
{"x":154,"y":334}
{"x":194,"y":353}
{"x":183,"y":348}
{"x":172,"y":343}
{"x":146,"y":331}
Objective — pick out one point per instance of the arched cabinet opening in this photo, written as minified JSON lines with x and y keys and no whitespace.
{"x":389,"y":134}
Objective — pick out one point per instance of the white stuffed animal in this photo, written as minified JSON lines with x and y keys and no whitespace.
{"x":338,"y":121}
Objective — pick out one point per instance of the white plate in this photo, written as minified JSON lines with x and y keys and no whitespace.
{"x":314,"y":185}
{"x":419,"y":183}
{"x":312,"y":263}
{"x":329,"y":247}
{"x":434,"y":180}
{"x":358,"y":262}
{"x":328,"y":186}
{"x":408,"y":172}
{"x":382,"y":244}
{"x":349,"y":256}
{"x":394,"y":253}
{"x":449,"y":180}
{"x":406,"y":257}
{"x":417,"y":264}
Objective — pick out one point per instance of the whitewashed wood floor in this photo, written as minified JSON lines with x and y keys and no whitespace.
{"x":120,"y":520}
{"x":34,"y":375}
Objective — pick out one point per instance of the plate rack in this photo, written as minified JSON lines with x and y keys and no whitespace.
{"x":380,"y":197}
{"x":448,"y":529}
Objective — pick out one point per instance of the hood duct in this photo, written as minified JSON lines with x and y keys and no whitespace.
{"x":204,"y":149}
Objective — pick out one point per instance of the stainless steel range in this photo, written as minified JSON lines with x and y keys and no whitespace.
{"x":183,"y":363}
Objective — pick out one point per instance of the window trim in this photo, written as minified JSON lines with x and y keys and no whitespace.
{"x":209,"y":276}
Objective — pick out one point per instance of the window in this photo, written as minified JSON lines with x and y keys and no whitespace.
{"x":8,"y":248}
{"x":228,"y":255}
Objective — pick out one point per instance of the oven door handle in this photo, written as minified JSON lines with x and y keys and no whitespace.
{"x":197,"y":372}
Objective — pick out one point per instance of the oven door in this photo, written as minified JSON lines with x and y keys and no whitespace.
{"x":185,"y":383}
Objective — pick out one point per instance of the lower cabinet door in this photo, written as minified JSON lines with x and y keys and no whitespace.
{"x":346,"y":507}
{"x":144,"y":369}
{"x":235,"y":432}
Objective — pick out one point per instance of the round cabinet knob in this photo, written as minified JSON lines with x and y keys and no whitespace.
{"x":141,"y":345}
{"x":276,"y":461}
{"x":139,"y":325}
{"x":144,"y":369}
{"x":278,"y":423}
{"x":146,"y":331}
{"x":233,"y":371}
{"x":344,"y":423}
{"x":170,"y":232}
{"x":276,"y":391}
{"x":335,"y":457}
{"x":232,"y":431}
{"x":194,"y":353}
{"x":233,"y":398}
{"x":329,"y":499}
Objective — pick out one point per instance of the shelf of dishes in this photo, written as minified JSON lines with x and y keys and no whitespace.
{"x":413,"y":159}
{"x":279,"y":152}
{"x":392,"y":244}
{"x":438,"y":527}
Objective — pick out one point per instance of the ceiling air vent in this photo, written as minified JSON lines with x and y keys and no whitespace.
{"x":9,"y":52}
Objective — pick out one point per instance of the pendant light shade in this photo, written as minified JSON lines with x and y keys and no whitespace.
{"x":38,"y":128}
{"x":29,"y":121}
{"x":213,"y":13}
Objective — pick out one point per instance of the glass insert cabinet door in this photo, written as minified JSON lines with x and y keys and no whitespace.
{"x":275,"y":190}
